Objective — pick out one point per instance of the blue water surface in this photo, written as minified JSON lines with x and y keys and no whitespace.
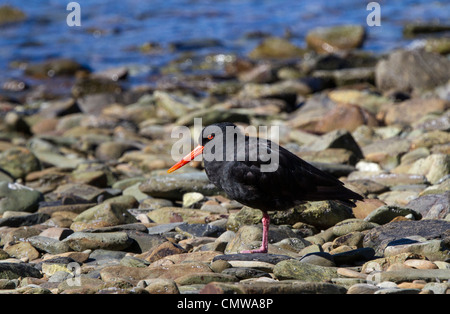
{"x":111,"y":32}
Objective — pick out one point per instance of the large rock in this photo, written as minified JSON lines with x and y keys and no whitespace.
{"x":408,"y":275}
{"x":18,"y":162}
{"x":386,"y":213}
{"x":91,"y":90}
{"x":418,"y":70}
{"x":366,"y":99}
{"x":352,"y":225}
{"x":16,"y":197}
{"x":311,"y":112}
{"x":247,"y":236}
{"x":380,"y":237}
{"x":9,"y":14}
{"x":323,"y":214}
{"x":173,"y":186}
{"x":54,"y":67}
{"x":166,"y":215}
{"x":433,"y":167}
{"x":49,"y":245}
{"x":175,"y":106}
{"x":335,"y":38}
{"x":412,"y":29}
{"x":432,"y":206}
{"x":160,"y":286}
{"x":336,"y":139}
{"x":140,"y":273}
{"x":410,"y":111}
{"x":273,"y":287}
{"x":351,"y":76}
{"x":430,"y":139}
{"x":205,"y":278}
{"x":246,"y":216}
{"x":286,"y":90}
{"x":294,"y":269}
{"x":103,"y":215}
{"x":276,"y":48}
{"x":433,"y":250}
{"x":18,"y":270}
{"x":143,"y":241}
{"x":81,"y":191}
{"x":386,"y":151}
{"x":24,"y":220}
{"x":347,"y":117}
{"x":23,"y":251}
{"x":80,"y":241}
{"x":388,"y":179}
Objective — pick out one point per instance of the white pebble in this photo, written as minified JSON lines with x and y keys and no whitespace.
{"x":387,"y":285}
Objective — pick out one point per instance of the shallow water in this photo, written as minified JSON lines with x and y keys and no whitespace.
{"x":111,"y":32}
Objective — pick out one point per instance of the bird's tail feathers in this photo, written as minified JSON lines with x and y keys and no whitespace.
{"x":340,"y":194}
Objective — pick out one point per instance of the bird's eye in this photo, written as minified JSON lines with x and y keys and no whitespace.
{"x":210,"y":137}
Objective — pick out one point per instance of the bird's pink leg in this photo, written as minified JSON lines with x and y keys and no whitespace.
{"x":265,"y":239}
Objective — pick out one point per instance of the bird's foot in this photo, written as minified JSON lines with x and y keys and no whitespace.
{"x":260,"y":250}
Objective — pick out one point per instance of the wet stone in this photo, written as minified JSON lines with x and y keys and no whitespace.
{"x":319,"y":258}
{"x":274,"y":47}
{"x":103,"y":215}
{"x":23,"y":251}
{"x":362,"y":288}
{"x":80,"y":241}
{"x":245,"y":273}
{"x":18,"y":162}
{"x":415,"y":77}
{"x":142,"y":241}
{"x":435,"y":206}
{"x":162,"y":228}
{"x":99,"y":255}
{"x":17,"y":270}
{"x":379,"y":237}
{"x":351,"y":225}
{"x":159,"y":286}
{"x":26,"y":220}
{"x":427,"y":275}
{"x":174,"y":186}
{"x":354,"y":256}
{"x":332,"y":39}
{"x":205,"y":278}
{"x":16,"y":197}
{"x":84,"y":192}
{"x":9,"y":14}
{"x":166,"y":215}
{"x":49,"y":245}
{"x":294,"y":269}
{"x":385,"y":214}
{"x":161,"y":250}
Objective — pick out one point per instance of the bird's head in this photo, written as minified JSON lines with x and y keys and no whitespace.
{"x":209,"y":133}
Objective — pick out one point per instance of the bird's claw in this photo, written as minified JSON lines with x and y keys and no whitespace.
{"x":254,"y":251}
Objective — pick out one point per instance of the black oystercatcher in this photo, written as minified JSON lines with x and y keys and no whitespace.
{"x":261,"y":174}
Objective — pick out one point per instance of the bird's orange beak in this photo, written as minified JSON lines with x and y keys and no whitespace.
{"x":197,"y":151}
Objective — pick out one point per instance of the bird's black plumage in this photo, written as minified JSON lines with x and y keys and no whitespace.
{"x":293,"y":182}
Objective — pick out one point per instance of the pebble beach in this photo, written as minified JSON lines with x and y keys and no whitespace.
{"x":87,"y":205}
